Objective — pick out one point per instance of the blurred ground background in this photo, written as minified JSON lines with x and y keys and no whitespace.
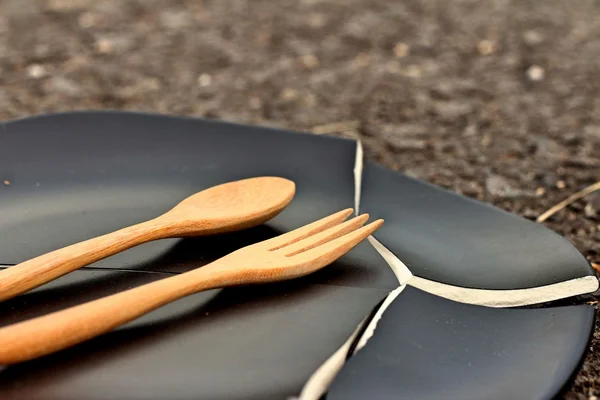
{"x":496,"y":99}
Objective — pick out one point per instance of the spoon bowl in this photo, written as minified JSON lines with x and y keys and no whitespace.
{"x":230,"y":206}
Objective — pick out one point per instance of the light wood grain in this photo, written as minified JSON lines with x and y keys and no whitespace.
{"x":223,"y":208}
{"x":287,"y":256}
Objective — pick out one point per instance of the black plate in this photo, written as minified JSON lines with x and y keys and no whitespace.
{"x":78,"y":175}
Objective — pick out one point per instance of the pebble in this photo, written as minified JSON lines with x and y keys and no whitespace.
{"x":288,"y":94}
{"x":317,"y":20}
{"x":36,"y":71}
{"x":535,"y":73}
{"x":87,"y":20}
{"x":544,"y":146}
{"x":362,"y":59}
{"x":174,"y":20}
{"x":532,"y":37}
{"x":406,"y":144}
{"x":204,"y":80}
{"x":497,"y":185}
{"x":114,"y":44}
{"x":589,"y":211}
{"x":403,"y":130}
{"x":62,"y":85}
{"x":452,"y":110}
{"x":401,"y":49}
{"x":413,"y":71}
{"x":486,"y":47}
{"x":6,"y":182}
{"x":310,"y":61}
{"x":593,"y":204}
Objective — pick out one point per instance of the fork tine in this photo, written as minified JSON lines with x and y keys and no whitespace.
{"x":327,"y":253}
{"x":324,"y":236}
{"x":308,"y":230}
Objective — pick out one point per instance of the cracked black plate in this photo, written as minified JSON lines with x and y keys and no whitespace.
{"x":78,"y":175}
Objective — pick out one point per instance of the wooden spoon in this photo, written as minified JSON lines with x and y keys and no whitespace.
{"x":224,"y":208}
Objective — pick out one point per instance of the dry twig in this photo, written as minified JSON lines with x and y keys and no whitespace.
{"x":568,"y":200}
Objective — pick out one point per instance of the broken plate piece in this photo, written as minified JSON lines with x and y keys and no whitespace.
{"x":426,"y":347}
{"x":446,"y":238}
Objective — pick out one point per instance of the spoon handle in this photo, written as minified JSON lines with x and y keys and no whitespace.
{"x":61,"y":329}
{"x":37,"y":271}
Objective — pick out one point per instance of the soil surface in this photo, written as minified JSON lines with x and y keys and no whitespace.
{"x":495,"y":99}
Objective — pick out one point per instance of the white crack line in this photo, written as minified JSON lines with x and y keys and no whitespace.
{"x":480,"y":297}
{"x":358,"y":171}
{"x":488,"y":297}
{"x":508,"y":298}
{"x":400,"y":269}
{"x":320,"y":381}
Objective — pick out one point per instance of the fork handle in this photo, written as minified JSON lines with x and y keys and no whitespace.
{"x":56,"y":331}
{"x":37,"y":271}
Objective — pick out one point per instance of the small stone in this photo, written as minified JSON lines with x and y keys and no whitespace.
{"x":407,"y":144}
{"x":317,"y":20}
{"x":544,"y":146}
{"x":87,"y":20}
{"x":114,"y":44}
{"x":62,"y":85}
{"x":104,"y":46}
{"x":310,"y":61}
{"x":362,"y":59}
{"x":470,"y":130}
{"x":288,"y":94}
{"x":401,"y":49}
{"x":589,"y":211}
{"x":535,"y":73}
{"x":6,"y":182}
{"x":594,"y":202}
{"x":540,"y":191}
{"x":486,"y":140}
{"x":413,"y":71}
{"x":174,"y":20}
{"x":204,"y":80}
{"x":532,"y":37}
{"x":452,"y":110}
{"x":561,"y":184}
{"x":497,"y":185}
{"x":486,"y":47}
{"x":36,"y":71}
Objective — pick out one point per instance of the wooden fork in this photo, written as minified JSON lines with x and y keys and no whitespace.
{"x":290,"y":255}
